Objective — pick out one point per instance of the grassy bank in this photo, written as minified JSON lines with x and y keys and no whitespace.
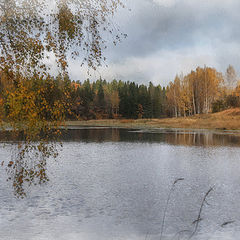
{"x":225,"y":120}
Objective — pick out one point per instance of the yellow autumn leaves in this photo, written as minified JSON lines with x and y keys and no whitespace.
{"x":30,"y":107}
{"x":194,"y":93}
{"x":33,"y":108}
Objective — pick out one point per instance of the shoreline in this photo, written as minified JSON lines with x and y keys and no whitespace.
{"x":208,"y":122}
{"x":225,"y":121}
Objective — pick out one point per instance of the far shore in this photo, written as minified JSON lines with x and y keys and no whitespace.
{"x":226,"y":120}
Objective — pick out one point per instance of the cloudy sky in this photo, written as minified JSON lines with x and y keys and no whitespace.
{"x":169,"y":37}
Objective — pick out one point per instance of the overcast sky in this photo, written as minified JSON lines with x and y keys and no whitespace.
{"x":169,"y":37}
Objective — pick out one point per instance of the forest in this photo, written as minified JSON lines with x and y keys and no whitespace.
{"x":203,"y":90}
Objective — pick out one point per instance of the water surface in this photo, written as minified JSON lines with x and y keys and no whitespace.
{"x":113,"y":184}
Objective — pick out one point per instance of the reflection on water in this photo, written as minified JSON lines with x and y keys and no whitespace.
{"x":175,"y":137}
{"x":169,"y":136}
{"x":113,"y":184}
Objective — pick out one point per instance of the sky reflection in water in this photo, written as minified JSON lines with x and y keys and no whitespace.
{"x":113,"y":184}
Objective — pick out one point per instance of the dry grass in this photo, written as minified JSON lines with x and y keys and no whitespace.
{"x":228,"y":119}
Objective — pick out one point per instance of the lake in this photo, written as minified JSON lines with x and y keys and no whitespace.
{"x":114,"y":184}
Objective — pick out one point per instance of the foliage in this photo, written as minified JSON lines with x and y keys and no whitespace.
{"x":33,"y":30}
{"x":33,"y":103}
{"x":116,"y":99}
{"x":35,"y":117}
{"x":231,"y":77}
{"x":194,"y":93}
{"x":218,"y":105}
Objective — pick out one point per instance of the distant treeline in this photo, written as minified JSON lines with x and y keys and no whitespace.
{"x":102,"y":99}
{"x":204,"y":90}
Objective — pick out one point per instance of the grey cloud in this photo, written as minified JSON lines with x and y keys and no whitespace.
{"x":166,"y":37}
{"x":152,"y":27}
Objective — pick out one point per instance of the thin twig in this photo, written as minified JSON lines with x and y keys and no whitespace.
{"x":168,"y":199}
{"x":226,"y":223}
{"x":196,"y":222}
